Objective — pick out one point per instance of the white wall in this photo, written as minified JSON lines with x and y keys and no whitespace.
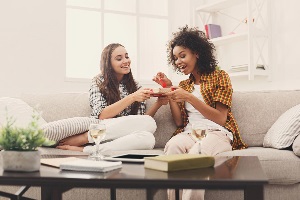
{"x":32,"y":47}
{"x":285,"y":50}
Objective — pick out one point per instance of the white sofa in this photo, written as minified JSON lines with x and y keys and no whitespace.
{"x":255,"y":113}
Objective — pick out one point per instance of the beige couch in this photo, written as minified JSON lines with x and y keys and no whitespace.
{"x":255,"y":113}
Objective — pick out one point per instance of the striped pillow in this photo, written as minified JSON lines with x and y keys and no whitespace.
{"x":284,"y":131}
{"x":61,"y":129}
{"x":296,"y":146}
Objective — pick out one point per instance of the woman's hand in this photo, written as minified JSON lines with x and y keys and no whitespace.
{"x":69,"y":147}
{"x":141,"y":94}
{"x":162,"y":80}
{"x":164,"y":100}
{"x":178,"y":94}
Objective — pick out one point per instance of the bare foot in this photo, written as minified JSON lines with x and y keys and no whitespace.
{"x":75,"y":140}
{"x":69,"y":147}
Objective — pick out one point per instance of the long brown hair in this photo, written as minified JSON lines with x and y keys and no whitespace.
{"x":110,"y":85}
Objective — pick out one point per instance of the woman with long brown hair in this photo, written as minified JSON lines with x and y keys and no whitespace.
{"x":118,"y":100}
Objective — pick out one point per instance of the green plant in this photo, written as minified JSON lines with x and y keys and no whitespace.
{"x":23,"y":139}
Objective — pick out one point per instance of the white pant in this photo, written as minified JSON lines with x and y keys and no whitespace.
{"x":127,"y":133}
{"x":214,"y":143}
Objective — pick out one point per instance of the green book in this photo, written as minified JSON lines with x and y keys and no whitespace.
{"x":178,"y":162}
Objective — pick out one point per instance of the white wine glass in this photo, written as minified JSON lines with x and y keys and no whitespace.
{"x":97,"y":133}
{"x":198,"y":133}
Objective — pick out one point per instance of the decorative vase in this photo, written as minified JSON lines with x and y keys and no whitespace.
{"x":23,"y":161}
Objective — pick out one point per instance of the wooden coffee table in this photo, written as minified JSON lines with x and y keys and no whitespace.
{"x":235,"y":173}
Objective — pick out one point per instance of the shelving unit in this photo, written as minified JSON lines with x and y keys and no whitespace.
{"x":256,"y":36}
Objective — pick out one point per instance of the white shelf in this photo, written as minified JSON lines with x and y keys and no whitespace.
{"x":234,"y":74}
{"x":257,"y":72}
{"x":257,"y":34}
{"x":229,"y":39}
{"x":220,"y":5}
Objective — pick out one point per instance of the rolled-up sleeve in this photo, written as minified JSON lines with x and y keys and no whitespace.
{"x":97,"y":100}
{"x":224,"y":90}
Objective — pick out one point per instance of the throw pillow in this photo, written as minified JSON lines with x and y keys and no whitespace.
{"x":58,"y":130}
{"x":296,"y":146}
{"x":19,"y":110}
{"x":284,"y":131}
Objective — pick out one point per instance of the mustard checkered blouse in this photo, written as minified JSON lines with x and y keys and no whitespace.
{"x":215,"y":87}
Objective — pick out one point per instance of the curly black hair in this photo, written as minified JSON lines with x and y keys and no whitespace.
{"x":196,"y":41}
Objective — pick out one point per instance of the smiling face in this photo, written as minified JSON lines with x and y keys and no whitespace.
{"x":120,"y":62}
{"x":185,"y":60}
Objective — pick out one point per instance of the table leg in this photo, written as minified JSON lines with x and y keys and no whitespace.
{"x":53,"y":193}
{"x":177,"y":194}
{"x":150,"y":193}
{"x":254,"y":192}
{"x":113,"y":193}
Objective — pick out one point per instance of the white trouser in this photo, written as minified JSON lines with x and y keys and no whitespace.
{"x":127,"y":133}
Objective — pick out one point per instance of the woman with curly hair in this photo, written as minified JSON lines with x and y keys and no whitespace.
{"x":118,"y":100}
{"x":203,"y":101}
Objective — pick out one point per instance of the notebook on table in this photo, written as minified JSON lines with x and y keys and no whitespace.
{"x":79,"y":164}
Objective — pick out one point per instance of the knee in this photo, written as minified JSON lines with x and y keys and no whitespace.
{"x":173,"y":147}
{"x":150,"y":124}
{"x":149,"y":139}
{"x":214,"y":147}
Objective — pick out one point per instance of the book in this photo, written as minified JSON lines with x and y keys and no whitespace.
{"x":178,"y":162}
{"x":201,"y":173}
{"x":55,"y":162}
{"x":90,"y":165}
{"x":212,"y":31}
{"x":244,"y":67}
{"x":79,"y":164}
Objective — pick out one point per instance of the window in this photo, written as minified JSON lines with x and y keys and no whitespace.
{"x":93,"y":24}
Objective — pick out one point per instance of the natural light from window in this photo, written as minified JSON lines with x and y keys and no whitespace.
{"x":93,"y":24}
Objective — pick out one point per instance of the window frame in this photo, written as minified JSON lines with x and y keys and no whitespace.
{"x":138,"y":16}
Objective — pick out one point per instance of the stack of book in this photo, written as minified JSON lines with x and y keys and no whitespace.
{"x":78,"y":164}
{"x":244,"y":67}
{"x":212,"y":31}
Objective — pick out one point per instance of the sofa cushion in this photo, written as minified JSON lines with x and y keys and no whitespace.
{"x":165,"y":124}
{"x":256,"y":111}
{"x":280,"y":166}
{"x":284,"y":131}
{"x":20,"y":111}
{"x":60,"y":129}
{"x":296,"y":146}
{"x":60,"y":105}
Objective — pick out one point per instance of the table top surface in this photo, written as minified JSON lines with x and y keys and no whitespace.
{"x":237,"y":171}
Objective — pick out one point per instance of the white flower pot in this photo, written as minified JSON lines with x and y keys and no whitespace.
{"x":24,"y":161}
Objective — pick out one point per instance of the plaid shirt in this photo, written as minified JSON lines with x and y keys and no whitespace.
{"x":215,"y":87}
{"x":98,"y":101}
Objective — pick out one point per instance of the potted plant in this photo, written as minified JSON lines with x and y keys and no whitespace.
{"x":19,"y":145}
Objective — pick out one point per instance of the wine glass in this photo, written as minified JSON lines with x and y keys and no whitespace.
{"x":198,"y":133}
{"x":97,"y":133}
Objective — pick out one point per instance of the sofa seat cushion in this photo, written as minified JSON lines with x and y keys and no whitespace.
{"x":280,"y":166}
